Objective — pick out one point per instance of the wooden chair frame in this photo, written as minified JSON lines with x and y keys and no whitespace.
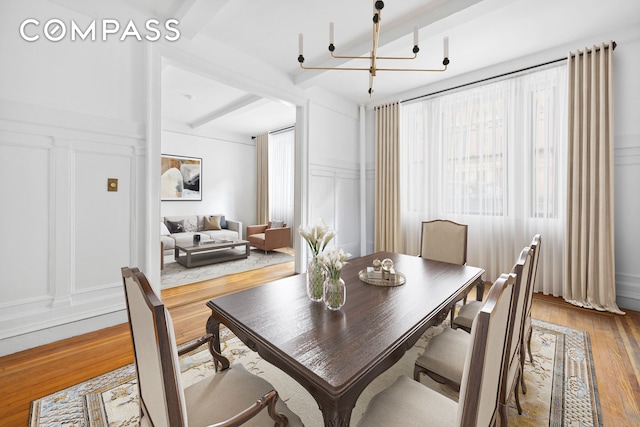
{"x":165,"y":348}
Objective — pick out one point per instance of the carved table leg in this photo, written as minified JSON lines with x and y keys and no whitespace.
{"x":213,"y":327}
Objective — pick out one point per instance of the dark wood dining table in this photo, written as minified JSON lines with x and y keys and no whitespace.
{"x":334,"y":355}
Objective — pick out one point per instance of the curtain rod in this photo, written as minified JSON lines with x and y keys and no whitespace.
{"x":614,"y":44}
{"x":283,"y":129}
{"x":277,"y":130}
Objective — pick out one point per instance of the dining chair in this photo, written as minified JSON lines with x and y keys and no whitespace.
{"x":442,"y":360}
{"x":409,"y":403}
{"x":230,"y":397}
{"x":446,"y":241}
{"x":468,"y":311}
{"x":527,"y":327}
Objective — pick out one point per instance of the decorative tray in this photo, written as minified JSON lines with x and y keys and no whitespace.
{"x":378,"y":281}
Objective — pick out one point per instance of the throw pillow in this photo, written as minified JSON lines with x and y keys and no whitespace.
{"x":223,"y":222}
{"x":164,"y":231}
{"x":176,"y":226}
{"x":212,"y":223}
{"x":277,"y":224}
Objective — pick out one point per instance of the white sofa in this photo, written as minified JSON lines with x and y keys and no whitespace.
{"x":172,"y":233}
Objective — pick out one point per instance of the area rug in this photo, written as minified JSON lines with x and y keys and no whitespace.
{"x":174,"y":274}
{"x":561,"y":385}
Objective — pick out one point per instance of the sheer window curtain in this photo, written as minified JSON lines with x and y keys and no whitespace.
{"x":281,"y":146}
{"x":590,"y":274}
{"x":262,"y":178}
{"x":492,"y":157}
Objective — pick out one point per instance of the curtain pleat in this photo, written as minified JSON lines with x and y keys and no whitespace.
{"x":590,"y":246}
{"x":388,"y":233}
{"x":262,"y":178}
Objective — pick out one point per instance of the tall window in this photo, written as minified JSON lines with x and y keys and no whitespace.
{"x":281,"y":160}
{"x":493,"y":157}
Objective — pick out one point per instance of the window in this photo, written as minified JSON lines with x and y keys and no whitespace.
{"x":493,"y":157}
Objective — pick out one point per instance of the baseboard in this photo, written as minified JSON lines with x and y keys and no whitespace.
{"x":628,"y":291}
{"x":56,"y":333}
{"x":628,"y":303}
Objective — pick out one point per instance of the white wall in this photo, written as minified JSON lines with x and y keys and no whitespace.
{"x":627,"y":164}
{"x":627,"y":143}
{"x":70,"y":118}
{"x":228,"y":179}
{"x":334,"y":166}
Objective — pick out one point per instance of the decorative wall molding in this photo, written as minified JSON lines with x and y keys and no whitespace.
{"x":65,"y":158}
{"x":334,"y":195}
{"x":20,"y":116}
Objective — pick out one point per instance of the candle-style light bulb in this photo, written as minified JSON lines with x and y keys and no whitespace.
{"x":446,"y":47}
{"x":331,"y":33}
{"x":415,"y":36}
{"x":300,"y":44}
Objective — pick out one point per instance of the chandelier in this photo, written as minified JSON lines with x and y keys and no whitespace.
{"x":374,"y":58}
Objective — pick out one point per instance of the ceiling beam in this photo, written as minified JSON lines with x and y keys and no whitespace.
{"x":194,"y":15}
{"x":226,"y":110}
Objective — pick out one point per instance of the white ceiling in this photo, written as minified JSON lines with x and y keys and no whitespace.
{"x":482,"y":33}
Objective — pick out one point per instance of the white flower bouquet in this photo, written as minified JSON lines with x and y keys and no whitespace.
{"x":332,"y":261}
{"x":318,"y":236}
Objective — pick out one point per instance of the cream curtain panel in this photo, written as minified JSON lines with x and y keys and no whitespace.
{"x":262,"y":178}
{"x":590,"y":258}
{"x":388,"y":232}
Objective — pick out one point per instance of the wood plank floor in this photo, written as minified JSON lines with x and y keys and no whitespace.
{"x":34,"y":373}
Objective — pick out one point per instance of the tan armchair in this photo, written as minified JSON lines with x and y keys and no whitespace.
{"x":266,"y":238}
{"x":232,"y":396}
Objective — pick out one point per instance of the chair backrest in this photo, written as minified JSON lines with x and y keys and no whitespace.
{"x":521,"y":271}
{"x":535,"y":247}
{"x":160,"y":389}
{"x":444,"y":240}
{"x":478,"y":401}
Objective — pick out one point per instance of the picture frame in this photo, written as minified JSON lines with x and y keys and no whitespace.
{"x":180,"y":178}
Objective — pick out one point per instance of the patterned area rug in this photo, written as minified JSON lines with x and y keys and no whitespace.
{"x":561,"y":386}
{"x":175,"y":274}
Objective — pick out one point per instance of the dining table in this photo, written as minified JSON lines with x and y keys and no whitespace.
{"x":334,"y":355}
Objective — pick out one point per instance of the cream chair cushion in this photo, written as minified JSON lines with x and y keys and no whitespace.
{"x":445,"y":354}
{"x":408,"y":403}
{"x":227,"y":393}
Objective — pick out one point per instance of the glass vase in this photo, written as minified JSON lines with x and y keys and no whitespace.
{"x":315,"y":280}
{"x":335,"y":293}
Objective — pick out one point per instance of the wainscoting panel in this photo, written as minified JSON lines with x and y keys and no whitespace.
{"x":334,"y":196}
{"x":24,"y":216}
{"x":65,"y":237}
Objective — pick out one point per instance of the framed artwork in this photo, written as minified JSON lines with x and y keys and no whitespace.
{"x":180,"y":178}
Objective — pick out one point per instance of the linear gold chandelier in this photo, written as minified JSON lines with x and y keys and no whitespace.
{"x":374,"y":58}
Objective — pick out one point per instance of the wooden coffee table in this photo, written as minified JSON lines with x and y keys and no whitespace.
{"x":210,"y":252}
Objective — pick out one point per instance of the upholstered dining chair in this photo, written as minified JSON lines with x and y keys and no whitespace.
{"x":527,"y":327}
{"x":446,"y":241}
{"x":441,"y":358}
{"x":409,"y":403}
{"x":230,"y":397}
{"x":468,"y":311}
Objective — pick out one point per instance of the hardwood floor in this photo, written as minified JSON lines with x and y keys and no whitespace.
{"x":28,"y":375}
